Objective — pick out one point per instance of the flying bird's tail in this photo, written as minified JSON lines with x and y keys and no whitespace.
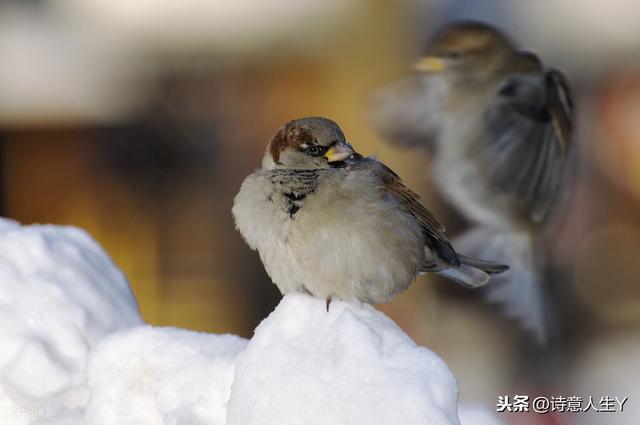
{"x":521,"y":291}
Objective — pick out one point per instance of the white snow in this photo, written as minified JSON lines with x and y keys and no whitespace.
{"x":61,"y":297}
{"x":161,"y":376}
{"x":352,"y":365}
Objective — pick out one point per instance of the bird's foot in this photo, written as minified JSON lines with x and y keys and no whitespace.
{"x":328,"y":302}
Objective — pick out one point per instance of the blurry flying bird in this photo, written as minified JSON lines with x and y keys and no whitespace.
{"x":499,"y":127}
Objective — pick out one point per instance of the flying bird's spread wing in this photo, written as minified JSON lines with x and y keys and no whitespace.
{"x":529,"y":128}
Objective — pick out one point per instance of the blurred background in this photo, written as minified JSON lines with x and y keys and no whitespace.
{"x":138,"y":121}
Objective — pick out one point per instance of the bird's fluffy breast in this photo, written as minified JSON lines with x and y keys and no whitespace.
{"x":348,"y":241}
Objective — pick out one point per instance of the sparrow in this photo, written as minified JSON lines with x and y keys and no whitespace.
{"x":498,"y":126}
{"x":329,"y":222}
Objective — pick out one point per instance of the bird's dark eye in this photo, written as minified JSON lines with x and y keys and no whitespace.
{"x":314,"y":150}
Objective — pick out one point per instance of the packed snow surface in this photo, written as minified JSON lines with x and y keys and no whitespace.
{"x":351,"y":365}
{"x":75,"y":351}
{"x":59,"y":295}
{"x":159,"y":376}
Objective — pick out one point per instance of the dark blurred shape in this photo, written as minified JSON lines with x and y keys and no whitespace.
{"x":166,"y":144}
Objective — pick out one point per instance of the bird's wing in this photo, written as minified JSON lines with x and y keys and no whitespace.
{"x":529,"y":130}
{"x":434,"y":231}
{"x":406,"y":112}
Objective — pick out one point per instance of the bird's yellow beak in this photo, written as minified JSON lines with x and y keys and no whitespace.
{"x":339,"y":152}
{"x":430,"y":64}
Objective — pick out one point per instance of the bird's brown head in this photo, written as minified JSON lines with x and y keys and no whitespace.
{"x":308,"y":143}
{"x":465,"y":47}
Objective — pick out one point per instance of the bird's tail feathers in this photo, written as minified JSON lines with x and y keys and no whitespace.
{"x":468,"y":276}
{"x":489,"y":267}
{"x":472,"y":272}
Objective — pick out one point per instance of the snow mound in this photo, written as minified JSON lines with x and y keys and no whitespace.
{"x":351,"y":365}
{"x":59,"y":295}
{"x":74,"y":350}
{"x":170,"y":376}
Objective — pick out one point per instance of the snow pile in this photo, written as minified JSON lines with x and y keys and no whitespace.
{"x":59,"y":295}
{"x":159,"y":376}
{"x":351,"y":365}
{"x":303,"y":366}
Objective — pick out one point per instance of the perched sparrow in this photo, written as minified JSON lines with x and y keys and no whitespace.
{"x":499,"y":126}
{"x":328,"y":222}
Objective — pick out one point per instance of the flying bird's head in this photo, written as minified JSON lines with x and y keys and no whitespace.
{"x":465,"y":48}
{"x":308,"y":143}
